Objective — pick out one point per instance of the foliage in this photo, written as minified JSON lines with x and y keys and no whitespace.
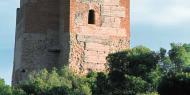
{"x":138,"y":61}
{"x":140,"y":70}
{"x":175,"y":84}
{"x":149,"y":93}
{"x":133,"y":71}
{"x":4,"y":89}
{"x":62,"y":82}
{"x":153,"y":78}
{"x":17,"y":91}
{"x":136,"y":71}
{"x":178,"y":55}
{"x":175,"y":69}
{"x":187,"y":48}
{"x":101,"y":84}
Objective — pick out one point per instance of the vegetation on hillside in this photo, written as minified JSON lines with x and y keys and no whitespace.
{"x":4,"y":89}
{"x":136,"y":71}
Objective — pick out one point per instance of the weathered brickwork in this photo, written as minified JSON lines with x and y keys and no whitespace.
{"x":91,"y":43}
{"x":81,"y":33}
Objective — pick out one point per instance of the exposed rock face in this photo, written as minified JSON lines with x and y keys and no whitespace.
{"x":82,"y":33}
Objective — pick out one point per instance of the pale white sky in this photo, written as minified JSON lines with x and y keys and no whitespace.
{"x":161,"y":12}
{"x":157,"y":23}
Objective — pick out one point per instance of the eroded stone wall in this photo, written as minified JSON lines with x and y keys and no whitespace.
{"x":37,"y":37}
{"x":91,"y":43}
{"x":51,"y":33}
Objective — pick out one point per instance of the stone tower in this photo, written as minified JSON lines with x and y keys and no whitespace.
{"x":80,"y":33}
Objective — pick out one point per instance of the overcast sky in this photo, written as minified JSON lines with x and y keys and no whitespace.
{"x":157,"y":23}
{"x":7,"y":32}
{"x":154,"y":23}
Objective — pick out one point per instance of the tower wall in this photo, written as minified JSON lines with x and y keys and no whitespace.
{"x":81,"y":33}
{"x":64,"y":32}
{"x":36,"y":37}
{"x":91,"y":43}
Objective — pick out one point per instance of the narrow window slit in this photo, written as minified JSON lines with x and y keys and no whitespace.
{"x":91,"y":17}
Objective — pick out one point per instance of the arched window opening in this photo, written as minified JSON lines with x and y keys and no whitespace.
{"x":91,"y":17}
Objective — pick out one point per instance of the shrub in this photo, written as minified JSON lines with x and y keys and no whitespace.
{"x":175,"y":84}
{"x":4,"y":89}
{"x":133,"y":71}
{"x":62,"y":82}
{"x":17,"y":91}
{"x":101,"y":86}
{"x":136,"y":71}
{"x":137,"y":61}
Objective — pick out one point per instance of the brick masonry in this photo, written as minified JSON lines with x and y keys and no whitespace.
{"x":51,"y":33}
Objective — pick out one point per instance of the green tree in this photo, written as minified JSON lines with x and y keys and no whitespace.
{"x":56,"y":82}
{"x":16,"y":91}
{"x":101,"y":87}
{"x":175,"y":84}
{"x":133,"y":71}
{"x":178,"y":56}
{"x":136,"y":71}
{"x":4,"y":89}
{"x":187,"y":48}
{"x":175,"y":68}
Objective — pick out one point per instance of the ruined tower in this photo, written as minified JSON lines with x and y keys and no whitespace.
{"x":80,"y":33}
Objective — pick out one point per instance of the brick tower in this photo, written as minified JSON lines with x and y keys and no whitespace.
{"x":80,"y":33}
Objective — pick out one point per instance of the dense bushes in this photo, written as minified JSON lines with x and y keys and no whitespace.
{"x":4,"y":89}
{"x":133,"y":71}
{"x":7,"y":90}
{"x":57,"y":82}
{"x":137,"y":71}
{"x":140,"y":70}
{"x":175,"y":84}
{"x":176,"y":77}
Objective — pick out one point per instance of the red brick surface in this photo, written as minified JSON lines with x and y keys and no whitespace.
{"x":110,"y":33}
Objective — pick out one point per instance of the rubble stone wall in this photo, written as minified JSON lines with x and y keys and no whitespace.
{"x":51,"y":33}
{"x":36,"y":38}
{"x":91,"y":43}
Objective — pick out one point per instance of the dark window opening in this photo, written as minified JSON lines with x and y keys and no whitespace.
{"x":54,"y":50}
{"x":23,"y":71}
{"x":91,"y":17}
